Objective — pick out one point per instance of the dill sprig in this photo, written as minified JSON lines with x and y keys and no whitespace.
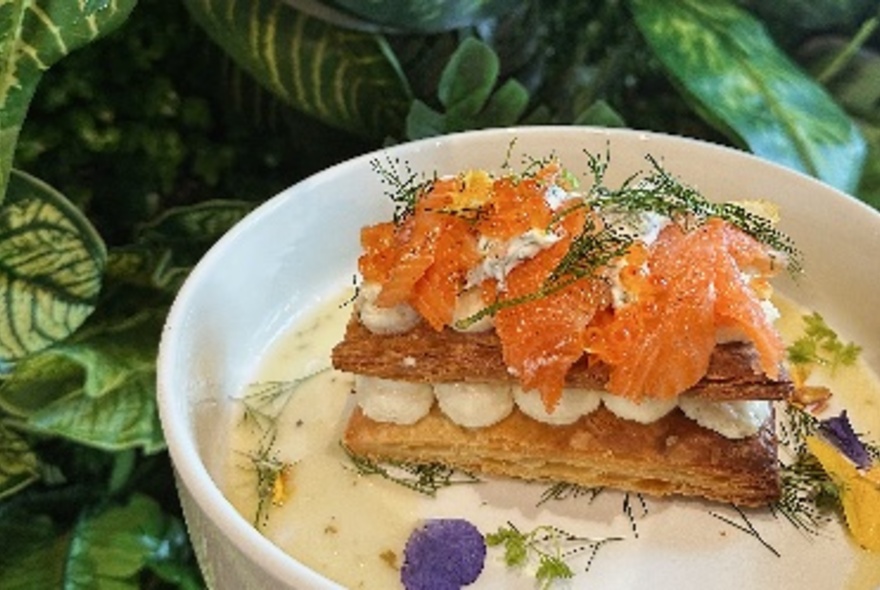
{"x":263,"y":405}
{"x":266,"y":400}
{"x":660,"y":192}
{"x":808,"y":497}
{"x":271,"y":473}
{"x":590,"y":251}
{"x":745,"y":526}
{"x":561,"y":491}
{"x":403,"y":184}
{"x":551,"y":546}
{"x":425,"y":478}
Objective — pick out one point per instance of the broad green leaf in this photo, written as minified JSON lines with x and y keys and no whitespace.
{"x":426,"y":15}
{"x":506,"y":106}
{"x":33,"y":36}
{"x":792,"y":20}
{"x":749,"y":89}
{"x":468,"y":78}
{"x":468,"y":94}
{"x":18,"y":463}
{"x":51,"y":262}
{"x":423,"y":121}
{"x":600,"y":114}
{"x":103,"y":550}
{"x":111,"y":548}
{"x":869,"y":187}
{"x":346,"y":79}
{"x":97,"y":389}
{"x":189,"y":231}
{"x":37,"y":557}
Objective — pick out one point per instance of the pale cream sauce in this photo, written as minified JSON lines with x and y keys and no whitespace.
{"x":359,"y":544}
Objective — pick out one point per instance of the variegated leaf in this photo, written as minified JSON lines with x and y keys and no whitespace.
{"x":35,"y":34}
{"x":749,"y":89}
{"x":347,"y":79}
{"x":51,"y":264}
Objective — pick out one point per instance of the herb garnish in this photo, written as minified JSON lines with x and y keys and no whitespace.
{"x":425,"y":478}
{"x":660,"y":192}
{"x":820,"y":345}
{"x":403,"y":189}
{"x":560,"y":491}
{"x":746,"y":527}
{"x":550,"y":545}
{"x":263,"y":406}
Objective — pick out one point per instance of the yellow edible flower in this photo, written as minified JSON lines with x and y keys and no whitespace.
{"x":859,"y":492}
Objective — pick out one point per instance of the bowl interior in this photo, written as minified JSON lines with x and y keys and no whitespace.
{"x":301,"y":247}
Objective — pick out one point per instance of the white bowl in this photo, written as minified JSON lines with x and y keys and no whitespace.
{"x":301,"y":246}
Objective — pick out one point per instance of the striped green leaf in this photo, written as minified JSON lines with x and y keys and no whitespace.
{"x":97,"y":388}
{"x":51,"y":264}
{"x":742,"y":83}
{"x":426,"y":16}
{"x":18,"y":462}
{"x":346,"y":79}
{"x":34,"y":34}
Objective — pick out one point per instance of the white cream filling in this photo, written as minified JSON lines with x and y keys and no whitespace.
{"x":734,"y":419}
{"x":643,"y":412}
{"x":383,"y":320}
{"x":387,"y":400}
{"x":477,"y":405}
{"x":474,"y":405}
{"x":573,"y":404}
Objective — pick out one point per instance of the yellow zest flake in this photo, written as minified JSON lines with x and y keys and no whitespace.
{"x":280,"y":489}
{"x":476,"y":189}
{"x":859,"y":492}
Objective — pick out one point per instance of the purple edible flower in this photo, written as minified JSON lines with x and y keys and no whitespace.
{"x":443,"y":554}
{"x":840,"y":433}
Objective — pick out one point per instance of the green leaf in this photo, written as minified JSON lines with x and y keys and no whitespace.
{"x":33,"y":36}
{"x":747,"y":87}
{"x":506,"y":106}
{"x":18,"y":463}
{"x":97,"y":389}
{"x":600,"y":114}
{"x":346,"y":79}
{"x":468,"y":94}
{"x":426,"y":16}
{"x":869,"y":187}
{"x":37,"y":557}
{"x":423,"y":121}
{"x":104,"y":550}
{"x":51,"y":263}
{"x":111,"y":548}
{"x":468,"y":78}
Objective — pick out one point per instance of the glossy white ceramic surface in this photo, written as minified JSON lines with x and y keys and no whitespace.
{"x":301,"y":246}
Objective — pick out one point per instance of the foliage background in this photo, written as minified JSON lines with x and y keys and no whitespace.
{"x":141,"y":148}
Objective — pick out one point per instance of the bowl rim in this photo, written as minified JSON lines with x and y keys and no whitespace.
{"x":191,"y":471}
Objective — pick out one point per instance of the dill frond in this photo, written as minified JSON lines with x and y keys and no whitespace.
{"x":425,"y":478}
{"x":403,"y":184}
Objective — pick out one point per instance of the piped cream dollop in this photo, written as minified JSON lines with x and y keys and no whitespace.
{"x":573,"y":404}
{"x":388,"y":400}
{"x":733,"y":419}
{"x":474,"y":405}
